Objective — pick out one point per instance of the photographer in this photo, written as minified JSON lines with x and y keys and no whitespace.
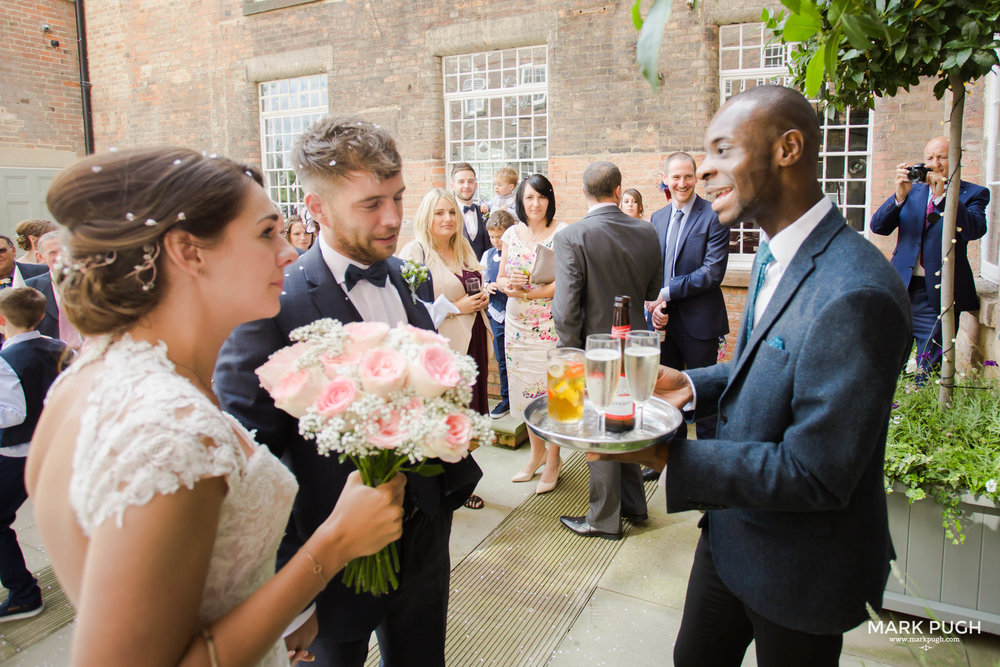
{"x":917,"y":209}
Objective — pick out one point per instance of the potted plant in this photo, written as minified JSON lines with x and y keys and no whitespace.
{"x":942,"y":468}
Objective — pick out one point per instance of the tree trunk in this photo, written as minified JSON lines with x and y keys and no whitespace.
{"x":949,"y":321}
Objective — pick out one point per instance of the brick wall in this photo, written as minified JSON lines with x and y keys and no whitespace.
{"x":39,"y":83}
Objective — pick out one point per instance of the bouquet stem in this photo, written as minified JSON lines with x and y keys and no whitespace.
{"x":377,"y":573}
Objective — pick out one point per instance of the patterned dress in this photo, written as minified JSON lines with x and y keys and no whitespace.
{"x":530,"y":332}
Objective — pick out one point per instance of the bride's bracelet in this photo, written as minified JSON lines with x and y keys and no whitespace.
{"x":213,"y":655}
{"x":316,"y":568}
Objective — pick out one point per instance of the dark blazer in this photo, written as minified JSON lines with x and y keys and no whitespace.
{"x":310,"y":293}
{"x":49,"y":326}
{"x":606,"y":254}
{"x":482,"y":241}
{"x":28,"y":270}
{"x":696,"y":304}
{"x":970,"y":224}
{"x":793,"y":484}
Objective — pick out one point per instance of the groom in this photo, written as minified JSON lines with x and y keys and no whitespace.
{"x":352,"y":175}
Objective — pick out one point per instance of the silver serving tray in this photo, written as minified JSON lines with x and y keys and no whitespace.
{"x":659,"y":420}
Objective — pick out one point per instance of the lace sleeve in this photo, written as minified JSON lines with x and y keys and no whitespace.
{"x":130,"y":449}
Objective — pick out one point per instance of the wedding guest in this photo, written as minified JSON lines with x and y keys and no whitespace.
{"x":631,"y":203}
{"x":504,"y":182}
{"x":530,"y":331}
{"x":296,"y":234}
{"x":29,"y":363}
{"x":134,"y":472}
{"x":28,"y":232}
{"x":499,"y":222}
{"x":456,"y":275}
{"x":55,"y":323}
{"x":12,"y":272}
{"x":465,"y":185}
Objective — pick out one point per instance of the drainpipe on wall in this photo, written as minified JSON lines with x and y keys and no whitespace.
{"x":81,"y":41}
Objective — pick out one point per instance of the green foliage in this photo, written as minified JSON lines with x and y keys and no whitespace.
{"x":942,"y":454}
{"x":879,"y":48}
{"x":647,"y":48}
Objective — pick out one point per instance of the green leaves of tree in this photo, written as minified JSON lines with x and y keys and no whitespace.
{"x":647,"y":48}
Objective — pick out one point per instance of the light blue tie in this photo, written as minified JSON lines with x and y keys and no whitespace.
{"x":760,"y":262}
{"x":671,"y":247}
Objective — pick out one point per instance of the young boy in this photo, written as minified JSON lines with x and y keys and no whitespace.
{"x":464,"y":185}
{"x":29,"y":363}
{"x":504,"y":182}
{"x":499,"y":221}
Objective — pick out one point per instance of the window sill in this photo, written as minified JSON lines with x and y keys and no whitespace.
{"x":736,"y":278}
{"x":250,"y":7}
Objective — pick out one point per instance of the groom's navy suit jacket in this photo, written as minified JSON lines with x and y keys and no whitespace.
{"x":311,"y":293}
{"x":793,"y":483}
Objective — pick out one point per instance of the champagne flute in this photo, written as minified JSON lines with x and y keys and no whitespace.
{"x":642,"y":364}
{"x":602,"y":361}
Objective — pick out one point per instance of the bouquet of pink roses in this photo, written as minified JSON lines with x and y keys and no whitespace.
{"x":386,"y":398}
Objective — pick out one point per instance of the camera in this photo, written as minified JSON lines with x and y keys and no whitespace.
{"x":917,"y":173}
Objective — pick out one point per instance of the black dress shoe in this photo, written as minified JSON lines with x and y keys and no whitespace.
{"x":650,"y":475}
{"x":579,"y":525}
{"x":636,"y":518}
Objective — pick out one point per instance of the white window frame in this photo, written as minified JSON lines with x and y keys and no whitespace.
{"x":528,"y":78}
{"x":292,"y":114}
{"x":987,"y":269}
{"x":731,"y":81}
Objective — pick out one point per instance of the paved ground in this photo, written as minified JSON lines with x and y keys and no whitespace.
{"x":633,"y":615}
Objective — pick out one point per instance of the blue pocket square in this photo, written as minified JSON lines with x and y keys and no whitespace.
{"x":777,"y":343}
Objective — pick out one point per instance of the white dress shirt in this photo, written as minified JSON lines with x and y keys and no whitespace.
{"x":470,"y":218}
{"x":374,"y":304}
{"x":13,"y":408}
{"x":783,"y":246}
{"x":685,"y":214}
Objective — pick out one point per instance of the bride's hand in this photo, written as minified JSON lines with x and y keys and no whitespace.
{"x":365,"y":518}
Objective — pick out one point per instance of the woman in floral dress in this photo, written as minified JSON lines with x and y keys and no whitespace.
{"x":530,"y":331}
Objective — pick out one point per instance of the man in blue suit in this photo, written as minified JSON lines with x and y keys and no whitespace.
{"x":352,"y":175}
{"x":695,"y":251}
{"x":795,"y":539}
{"x":14,"y":273}
{"x":917,"y":211}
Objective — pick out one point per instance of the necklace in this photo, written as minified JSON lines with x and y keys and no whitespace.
{"x":204,"y":385}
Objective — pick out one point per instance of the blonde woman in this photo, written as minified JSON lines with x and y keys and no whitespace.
{"x":455,"y":272}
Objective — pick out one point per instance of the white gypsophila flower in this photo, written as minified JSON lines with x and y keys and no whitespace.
{"x":991,"y":486}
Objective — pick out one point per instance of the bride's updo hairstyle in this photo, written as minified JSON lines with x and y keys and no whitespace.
{"x":117,"y":207}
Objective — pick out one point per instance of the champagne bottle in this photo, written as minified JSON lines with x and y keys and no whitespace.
{"x":621,"y":413}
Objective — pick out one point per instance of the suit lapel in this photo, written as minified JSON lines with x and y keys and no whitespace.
{"x":51,"y":308}
{"x":326,"y":293}
{"x":693,"y":217}
{"x":801,"y":266}
{"x":416,"y":313}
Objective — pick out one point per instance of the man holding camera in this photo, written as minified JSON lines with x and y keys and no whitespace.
{"x":917,"y":209}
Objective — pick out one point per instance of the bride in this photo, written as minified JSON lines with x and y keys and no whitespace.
{"x":160,"y":513}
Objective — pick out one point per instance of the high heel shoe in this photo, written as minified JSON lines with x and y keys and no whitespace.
{"x":528,"y":473}
{"x":545,"y":487}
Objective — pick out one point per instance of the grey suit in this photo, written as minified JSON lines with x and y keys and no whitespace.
{"x":606,"y":254}
{"x":793,"y":484}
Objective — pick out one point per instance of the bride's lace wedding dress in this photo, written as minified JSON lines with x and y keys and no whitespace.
{"x":146,"y":430}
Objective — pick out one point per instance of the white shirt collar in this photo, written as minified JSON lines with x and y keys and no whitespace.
{"x":27,"y":335}
{"x":686,"y":209}
{"x":600,"y":204}
{"x":786,"y":243}
{"x":335,"y":261}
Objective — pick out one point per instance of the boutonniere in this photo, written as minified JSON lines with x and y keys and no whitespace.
{"x":414,"y":274}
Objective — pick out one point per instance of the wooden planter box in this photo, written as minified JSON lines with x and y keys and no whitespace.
{"x":951,"y":582}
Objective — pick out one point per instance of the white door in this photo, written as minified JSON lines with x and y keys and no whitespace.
{"x":22,"y":195}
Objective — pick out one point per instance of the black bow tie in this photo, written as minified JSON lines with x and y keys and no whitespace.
{"x":375,"y":274}
{"x":470,"y":207}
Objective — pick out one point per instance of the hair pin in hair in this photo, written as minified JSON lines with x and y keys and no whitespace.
{"x":181,"y":216}
{"x":177,"y":161}
{"x":150,"y":252}
{"x":65,"y":265}
{"x":247,"y":172}
{"x":113,"y":149}
{"x":130,"y":216}
{"x":96,"y":169}
{"x":150,"y":222}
